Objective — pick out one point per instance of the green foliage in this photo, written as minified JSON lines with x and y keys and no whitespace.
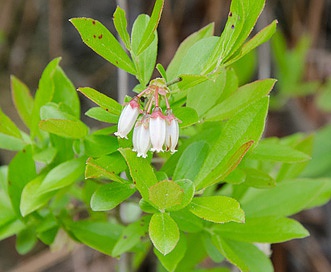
{"x":224,"y":190}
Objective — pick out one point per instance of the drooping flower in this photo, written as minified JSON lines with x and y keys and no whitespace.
{"x":172,"y":132}
{"x":128,"y":118}
{"x":157,"y":129}
{"x":141,"y":137}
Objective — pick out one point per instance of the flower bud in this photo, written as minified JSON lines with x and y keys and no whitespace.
{"x":141,"y":137}
{"x":172,"y":132}
{"x":127,"y":119}
{"x":157,"y":129}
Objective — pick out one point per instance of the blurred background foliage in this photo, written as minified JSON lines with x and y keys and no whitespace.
{"x":32,"y":32}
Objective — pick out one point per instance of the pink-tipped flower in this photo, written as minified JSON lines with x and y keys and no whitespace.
{"x":141,"y":138}
{"x":127,"y":119}
{"x":172,"y":132}
{"x":157,"y":130}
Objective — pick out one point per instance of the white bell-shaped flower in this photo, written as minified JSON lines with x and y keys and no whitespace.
{"x":141,"y":137}
{"x":157,"y":129}
{"x":172,"y":132}
{"x":127,"y":119}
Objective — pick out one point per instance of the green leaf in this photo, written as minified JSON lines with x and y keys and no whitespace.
{"x":141,"y":172}
{"x":147,"y":207}
{"x":131,"y":236}
{"x":197,"y":56}
{"x":242,"y":18}
{"x":245,"y":256}
{"x":261,"y":37}
{"x":165,"y":194}
{"x":102,"y":115}
{"x":267,"y":151}
{"x":163,"y":232}
{"x":108,"y":196}
{"x":191,"y":160}
{"x":289,"y":171}
{"x":239,"y":100}
{"x":204,"y":96}
{"x":11,"y":143}
{"x":46,"y":156}
{"x":63,"y":175}
{"x":106,"y":167}
{"x":270,"y":229}
{"x":258,"y":179}
{"x":148,"y":35}
{"x":23,"y":100}
{"x":144,"y":61}
{"x":96,"y":36}
{"x":105,"y":102}
{"x":171,"y":260}
{"x":121,"y":23}
{"x":320,"y":165}
{"x":25,"y":240}
{"x":173,"y":67}
{"x":279,"y":201}
{"x":21,"y":170}
{"x":187,"y":81}
{"x":187,"y":221}
{"x":73,"y":129}
{"x":101,"y":236}
{"x":162,"y":71}
{"x":238,"y":135}
{"x":188,"y":189}
{"x":65,"y":92}
{"x":8,"y":127}
{"x":11,"y":228}
{"x":100,"y":145}
{"x":211,"y":249}
{"x":31,"y":199}
{"x":324,"y":97}
{"x":44,"y":93}
{"x":186,"y":115}
{"x":218,"y":209}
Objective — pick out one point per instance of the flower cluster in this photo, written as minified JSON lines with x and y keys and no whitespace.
{"x":153,"y":130}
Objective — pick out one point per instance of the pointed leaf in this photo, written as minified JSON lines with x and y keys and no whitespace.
{"x":22,"y":99}
{"x":99,"y":235}
{"x":107,"y":167}
{"x":218,"y":209}
{"x":96,"y":36}
{"x":163,"y":232}
{"x":8,"y":127}
{"x":108,"y":196}
{"x":144,"y":61}
{"x":73,"y":129}
{"x":121,"y":23}
{"x":277,"y":152}
{"x":242,"y":98}
{"x":105,"y":102}
{"x":245,"y":256}
{"x":191,"y":160}
{"x":173,"y":67}
{"x":44,"y":93}
{"x":237,"y":136}
{"x":63,"y":175}
{"x":148,"y":36}
{"x":131,"y":236}
{"x":141,"y":172}
{"x":278,"y":201}
{"x":21,"y":170}
{"x":171,"y":260}
{"x":271,"y":229}
{"x":102,"y":115}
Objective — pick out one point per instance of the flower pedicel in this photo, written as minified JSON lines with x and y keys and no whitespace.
{"x":152,"y":129}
